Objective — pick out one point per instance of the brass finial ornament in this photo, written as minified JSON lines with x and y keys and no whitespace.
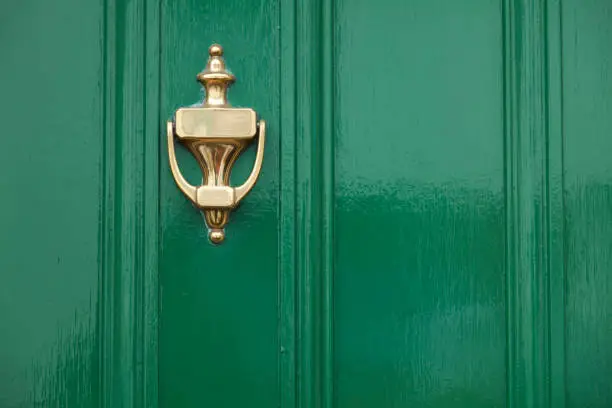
{"x":216,"y":134}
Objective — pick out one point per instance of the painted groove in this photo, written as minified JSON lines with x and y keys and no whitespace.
{"x":313,"y":199}
{"x":106,"y":309}
{"x":556,"y":220}
{"x":129,"y":215}
{"x":128,"y":190}
{"x":533,"y":193}
{"x":328,"y":183}
{"x":307,"y":205}
{"x":287,"y":208}
{"x":150,"y":205}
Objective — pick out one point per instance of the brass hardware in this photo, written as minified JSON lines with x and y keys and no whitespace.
{"x":216,"y":134}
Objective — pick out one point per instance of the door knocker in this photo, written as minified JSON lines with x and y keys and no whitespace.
{"x":216,"y":134}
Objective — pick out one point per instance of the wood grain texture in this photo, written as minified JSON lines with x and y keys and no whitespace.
{"x":129,"y":217}
{"x":555,"y":205}
{"x":587,"y":123}
{"x":51,"y":105}
{"x":419,"y":282}
{"x":287,"y":249}
{"x":219,"y":322}
{"x":328,"y":169}
{"x":432,"y":226}
{"x":308,"y":204}
{"x":87,"y":299}
{"x":527,"y":204}
{"x":314,"y":201}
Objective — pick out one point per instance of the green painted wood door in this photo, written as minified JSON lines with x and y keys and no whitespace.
{"x":432,"y":227}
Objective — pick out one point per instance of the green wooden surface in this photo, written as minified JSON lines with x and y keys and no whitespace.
{"x":219,"y":304}
{"x":78,"y":219}
{"x":587,"y":124}
{"x":432,"y":226}
{"x":51,"y":107}
{"x":419,"y":272}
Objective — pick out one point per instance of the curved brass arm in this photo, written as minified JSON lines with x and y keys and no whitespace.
{"x":187,"y":189}
{"x":242,"y":190}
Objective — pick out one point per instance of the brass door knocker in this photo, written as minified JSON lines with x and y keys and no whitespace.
{"x":216,"y":134}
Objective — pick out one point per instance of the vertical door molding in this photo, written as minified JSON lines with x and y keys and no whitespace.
{"x":556,"y":207}
{"x":128,"y":311}
{"x":534,"y":203}
{"x":287,"y":259}
{"x":307,"y":185}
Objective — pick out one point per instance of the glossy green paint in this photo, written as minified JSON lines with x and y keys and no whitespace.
{"x":51,"y":109}
{"x":587,"y":187}
{"x":219,"y":341}
{"x":78,"y":272}
{"x":419,"y":316}
{"x":431,"y":227}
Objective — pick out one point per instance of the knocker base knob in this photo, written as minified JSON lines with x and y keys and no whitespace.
{"x":216,"y":236}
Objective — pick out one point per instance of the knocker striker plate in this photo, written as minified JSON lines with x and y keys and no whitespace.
{"x":216,"y":134}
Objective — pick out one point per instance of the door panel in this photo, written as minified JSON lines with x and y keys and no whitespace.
{"x":419,"y":306}
{"x":50,"y":178}
{"x":587,"y":62}
{"x":219,"y":304}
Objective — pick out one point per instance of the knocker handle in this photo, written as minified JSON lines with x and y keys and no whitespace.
{"x":243,"y":190}
{"x":205,"y":196}
{"x":187,"y":189}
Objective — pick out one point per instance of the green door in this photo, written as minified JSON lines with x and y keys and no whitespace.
{"x":432,"y":226}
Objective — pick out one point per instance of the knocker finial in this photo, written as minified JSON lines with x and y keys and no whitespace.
{"x":215,"y":79}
